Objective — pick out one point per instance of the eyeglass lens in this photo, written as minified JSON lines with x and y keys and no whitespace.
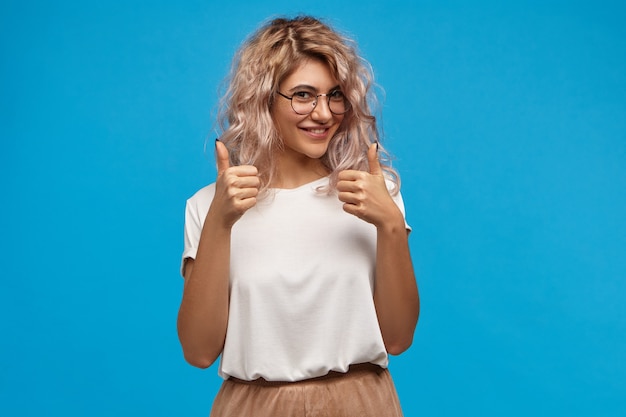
{"x":304,"y":105}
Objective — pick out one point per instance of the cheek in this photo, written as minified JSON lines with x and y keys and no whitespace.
{"x":283,"y":114}
{"x":342,"y":123}
{"x":279,"y":120}
{"x":284,"y":124}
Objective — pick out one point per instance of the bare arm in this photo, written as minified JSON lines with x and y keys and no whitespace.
{"x":396,"y":297}
{"x":203,"y":313}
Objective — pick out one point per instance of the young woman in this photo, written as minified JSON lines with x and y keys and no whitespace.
{"x":296,"y":261}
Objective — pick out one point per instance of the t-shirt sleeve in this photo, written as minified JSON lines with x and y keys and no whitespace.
{"x":196,"y":210}
{"x":397,"y":198}
{"x":400,"y":203}
{"x":193,"y":228}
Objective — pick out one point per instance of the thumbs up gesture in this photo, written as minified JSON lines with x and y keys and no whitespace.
{"x":365,"y":194}
{"x":236,"y":187}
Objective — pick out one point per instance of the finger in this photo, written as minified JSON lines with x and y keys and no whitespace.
{"x":234,"y":184}
{"x":354,"y":209}
{"x":372,"y":158}
{"x":349,"y":198}
{"x":350,"y":175}
{"x":244,"y":171}
{"x":246,"y":204}
{"x":348,"y":186}
{"x":250,"y":181}
{"x":221,"y":156}
{"x":242,"y":194}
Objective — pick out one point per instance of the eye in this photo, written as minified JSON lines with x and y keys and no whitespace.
{"x":336,"y":95}
{"x":303,"y":96}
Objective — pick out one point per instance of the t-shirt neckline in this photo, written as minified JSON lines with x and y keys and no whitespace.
{"x":311,"y":184}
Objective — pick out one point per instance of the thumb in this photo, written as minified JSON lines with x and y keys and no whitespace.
{"x":221,"y":156}
{"x":372,"y":158}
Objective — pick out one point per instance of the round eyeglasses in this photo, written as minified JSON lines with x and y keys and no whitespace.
{"x":304,"y":102}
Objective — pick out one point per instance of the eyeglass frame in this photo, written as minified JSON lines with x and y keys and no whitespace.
{"x":316,"y":101}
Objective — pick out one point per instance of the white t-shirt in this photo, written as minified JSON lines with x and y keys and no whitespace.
{"x":301,"y":286}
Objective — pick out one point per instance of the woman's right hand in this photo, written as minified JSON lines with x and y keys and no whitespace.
{"x":236,"y":188}
{"x":203,"y":314}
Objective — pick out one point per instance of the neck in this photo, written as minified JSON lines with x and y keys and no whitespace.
{"x":294,"y":173}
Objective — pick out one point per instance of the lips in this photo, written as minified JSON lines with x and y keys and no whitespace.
{"x":316,"y":130}
{"x":317,"y":133}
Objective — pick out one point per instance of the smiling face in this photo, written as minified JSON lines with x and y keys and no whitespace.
{"x":306,"y":137}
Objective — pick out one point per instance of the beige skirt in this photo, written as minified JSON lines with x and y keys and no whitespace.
{"x":366,"y":390}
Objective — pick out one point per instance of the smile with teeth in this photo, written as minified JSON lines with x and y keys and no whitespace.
{"x":317,"y":130}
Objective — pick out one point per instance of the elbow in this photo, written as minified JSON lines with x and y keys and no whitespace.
{"x":199,"y":361}
{"x":398,"y":336}
{"x":198,"y":352}
{"x":200,"y":355}
{"x":402,"y":340}
{"x":399,"y":346}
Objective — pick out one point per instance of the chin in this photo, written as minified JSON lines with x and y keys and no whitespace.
{"x":317,"y":154}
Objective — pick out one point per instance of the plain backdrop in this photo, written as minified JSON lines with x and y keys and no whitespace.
{"x":508,"y":124}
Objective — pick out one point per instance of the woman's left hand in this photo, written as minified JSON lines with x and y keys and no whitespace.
{"x":365,"y":194}
{"x":396,"y":298}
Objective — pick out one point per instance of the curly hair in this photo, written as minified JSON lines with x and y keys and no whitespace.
{"x":270,"y":55}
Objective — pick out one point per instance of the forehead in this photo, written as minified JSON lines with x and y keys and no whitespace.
{"x":313,"y":73}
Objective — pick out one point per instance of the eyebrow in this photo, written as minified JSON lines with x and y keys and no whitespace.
{"x":310,"y":87}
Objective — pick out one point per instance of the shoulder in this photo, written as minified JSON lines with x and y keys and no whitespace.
{"x":203,"y":193}
{"x":202,"y":197}
{"x":391,"y":184}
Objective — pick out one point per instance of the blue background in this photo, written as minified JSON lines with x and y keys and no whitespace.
{"x":508,"y":122}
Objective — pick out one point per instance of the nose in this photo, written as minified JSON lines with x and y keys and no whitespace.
{"x":321,"y":113}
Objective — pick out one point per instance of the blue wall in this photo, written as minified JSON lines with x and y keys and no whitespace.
{"x":508,"y":123}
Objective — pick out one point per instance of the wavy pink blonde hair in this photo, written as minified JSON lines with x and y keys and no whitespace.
{"x":271,"y":54}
